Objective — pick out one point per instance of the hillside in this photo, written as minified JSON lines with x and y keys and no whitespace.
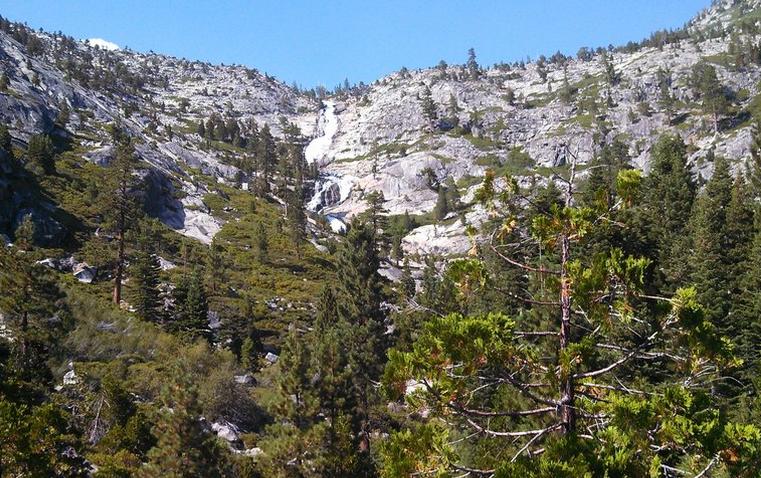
{"x":157,"y":99}
{"x":542,"y":269}
{"x":551,"y":110}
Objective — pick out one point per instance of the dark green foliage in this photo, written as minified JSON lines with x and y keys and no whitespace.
{"x":63,"y":116}
{"x":428,"y":105}
{"x":29,"y":303}
{"x":191,"y":308}
{"x":327,"y":309}
{"x":144,"y":271}
{"x":441,"y":210}
{"x":474,"y":70}
{"x":120,"y":206}
{"x":359,"y":290}
{"x":296,"y":217}
{"x":611,"y":75}
{"x":5,"y":142}
{"x":407,"y":285}
{"x":262,"y":243}
{"x":712,"y":269}
{"x":297,"y":400}
{"x":739,"y":229}
{"x":710,"y":91}
{"x":668,"y":195}
{"x":747,"y":310}
{"x":604,"y":168}
{"x":41,"y":154}
{"x":453,"y":112}
{"x":25,"y":233}
{"x":183,"y":448}
{"x":666,"y":99}
{"x":37,"y":441}
{"x":754,"y":168}
{"x":35,"y":437}
{"x":493,"y":378}
{"x":266,"y":159}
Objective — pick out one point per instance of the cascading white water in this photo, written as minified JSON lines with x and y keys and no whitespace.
{"x":327,"y":124}
{"x":329,"y":189}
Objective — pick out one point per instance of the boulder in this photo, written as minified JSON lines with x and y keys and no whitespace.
{"x":84,"y":273}
{"x":226,"y":431}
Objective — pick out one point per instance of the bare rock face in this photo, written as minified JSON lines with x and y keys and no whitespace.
{"x":528,"y":120}
{"x":383,"y":141}
{"x":76,"y":90}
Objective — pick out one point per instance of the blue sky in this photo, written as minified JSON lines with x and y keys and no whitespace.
{"x":324,"y":41}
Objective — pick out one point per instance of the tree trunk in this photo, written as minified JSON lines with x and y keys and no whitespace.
{"x":567,"y":410}
{"x":364,"y":435}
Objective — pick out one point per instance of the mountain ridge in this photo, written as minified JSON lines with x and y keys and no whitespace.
{"x":383,"y":141}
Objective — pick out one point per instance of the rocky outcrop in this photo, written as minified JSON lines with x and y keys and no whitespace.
{"x":529,"y":120}
{"x":75,"y":90}
{"x":384,"y":142}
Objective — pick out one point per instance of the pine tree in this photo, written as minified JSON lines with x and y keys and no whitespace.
{"x":191,"y":317}
{"x":509,"y":96}
{"x":747,"y":311}
{"x":669,"y":193}
{"x":442,"y":68}
{"x":712,"y":269}
{"x":337,"y":400}
{"x":41,"y":154}
{"x":486,"y":377}
{"x":121,"y":208}
{"x":216,"y":270}
{"x":666,"y":100}
{"x":37,"y":441}
{"x":541,"y":68}
{"x":248,"y":354}
{"x":144,"y":271}
{"x":474,"y":70}
{"x":359,"y":297}
{"x":4,"y":82}
{"x":604,"y":168}
{"x":611,"y":76}
{"x":183,"y":448}
{"x":739,"y":229}
{"x":406,"y":282}
{"x":711,"y":92}
{"x":25,"y":233}
{"x":6,"y":147}
{"x":298,"y":403}
{"x":375,"y":215}
{"x":327,"y":309}
{"x":359,"y":291}
{"x":266,"y":159}
{"x":29,"y":299}
{"x":262,"y":242}
{"x":428,"y":106}
{"x":453,"y":111}
{"x":296,"y":217}
{"x":441,"y":210}
{"x":754,"y":166}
